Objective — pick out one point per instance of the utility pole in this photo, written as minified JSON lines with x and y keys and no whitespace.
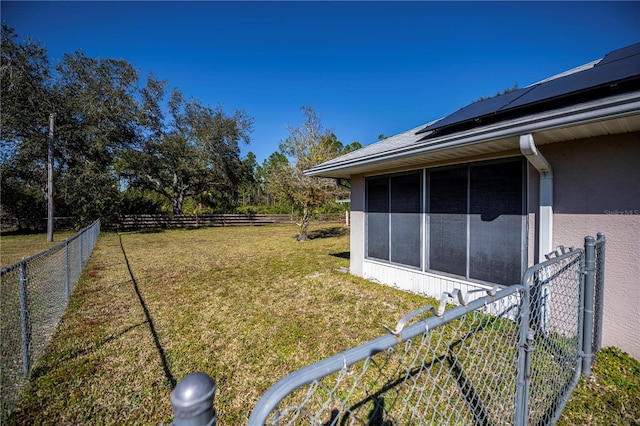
{"x":52,"y":118}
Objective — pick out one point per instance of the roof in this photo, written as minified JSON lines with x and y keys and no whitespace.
{"x":601,"y":97}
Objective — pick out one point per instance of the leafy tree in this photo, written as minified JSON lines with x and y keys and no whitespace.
{"x":353,"y":146}
{"x":97,"y":121}
{"x":268,"y":195}
{"x":27,"y":100}
{"x":504,"y":92}
{"x":195,"y":154}
{"x":96,"y":118}
{"x":248,"y":188}
{"x":111,"y":135}
{"x":308,"y":145}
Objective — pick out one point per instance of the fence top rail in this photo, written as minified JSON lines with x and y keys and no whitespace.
{"x":47,"y":251}
{"x":527,"y":278}
{"x":341,"y":361}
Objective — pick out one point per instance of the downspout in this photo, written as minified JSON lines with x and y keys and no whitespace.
{"x":535,"y":158}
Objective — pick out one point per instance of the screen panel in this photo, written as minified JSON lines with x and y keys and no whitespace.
{"x":448,"y":221}
{"x":406,"y":228}
{"x":377,"y":218}
{"x":496,"y":223}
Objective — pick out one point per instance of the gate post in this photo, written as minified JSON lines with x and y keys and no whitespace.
{"x":599,"y":292}
{"x":589,"y":278}
{"x":192,"y":401}
{"x":525,"y":341}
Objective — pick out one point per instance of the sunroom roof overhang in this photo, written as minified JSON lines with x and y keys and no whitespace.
{"x":613,"y":115}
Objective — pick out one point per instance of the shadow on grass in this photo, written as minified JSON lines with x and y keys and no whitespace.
{"x":336,"y":231}
{"x":342,"y":255}
{"x":152,"y":328}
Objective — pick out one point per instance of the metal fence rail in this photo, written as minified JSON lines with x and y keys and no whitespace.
{"x":33,"y":296}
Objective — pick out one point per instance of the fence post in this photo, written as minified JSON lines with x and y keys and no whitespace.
{"x":80,"y":251}
{"x":587,"y":335}
{"x":66,"y":268}
{"x":192,"y":401}
{"x":525,"y":341}
{"x":24,"y":319}
{"x":599,"y":292}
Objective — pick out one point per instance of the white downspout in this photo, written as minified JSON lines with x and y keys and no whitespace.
{"x":545,"y":233}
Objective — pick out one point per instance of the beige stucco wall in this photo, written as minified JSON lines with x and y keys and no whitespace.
{"x":597,"y":189}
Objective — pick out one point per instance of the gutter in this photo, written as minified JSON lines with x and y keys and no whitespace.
{"x":545,"y":230}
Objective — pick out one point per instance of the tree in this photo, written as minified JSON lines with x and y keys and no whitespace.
{"x":267,"y":181}
{"x":307,"y":146}
{"x":196,"y":153}
{"x":96,"y":119}
{"x":248,"y":188}
{"x":27,"y":99}
{"x":504,"y":92}
{"x":109,"y":132}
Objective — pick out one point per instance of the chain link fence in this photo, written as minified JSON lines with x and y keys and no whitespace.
{"x":436,"y":371}
{"x":33,"y":296}
{"x":555,"y":334}
{"x":511,"y":357}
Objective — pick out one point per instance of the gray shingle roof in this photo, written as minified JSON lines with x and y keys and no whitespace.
{"x":390,"y":144}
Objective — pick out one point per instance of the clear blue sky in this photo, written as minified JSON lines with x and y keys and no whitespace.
{"x":368,"y":68}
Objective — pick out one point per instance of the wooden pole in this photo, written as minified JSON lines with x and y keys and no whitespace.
{"x":52,"y":118}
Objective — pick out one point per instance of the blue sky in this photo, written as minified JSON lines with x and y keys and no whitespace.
{"x":368,"y":68}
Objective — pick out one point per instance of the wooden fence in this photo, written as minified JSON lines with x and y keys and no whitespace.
{"x":209,"y":220}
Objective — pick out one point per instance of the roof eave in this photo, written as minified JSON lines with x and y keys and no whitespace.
{"x":602,"y":109}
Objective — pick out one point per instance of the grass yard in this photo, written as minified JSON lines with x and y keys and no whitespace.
{"x":14,"y":248}
{"x":246,"y":305}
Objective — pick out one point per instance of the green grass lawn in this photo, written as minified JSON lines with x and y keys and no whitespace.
{"x":14,"y":248}
{"x":245,"y":305}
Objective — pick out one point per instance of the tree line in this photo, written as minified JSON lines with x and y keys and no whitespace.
{"x":127,"y":145}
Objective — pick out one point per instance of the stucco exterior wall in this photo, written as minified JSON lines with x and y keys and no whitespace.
{"x":597,"y":189}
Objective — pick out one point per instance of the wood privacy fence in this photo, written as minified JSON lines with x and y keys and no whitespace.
{"x":192,"y":221}
{"x":209,"y":220}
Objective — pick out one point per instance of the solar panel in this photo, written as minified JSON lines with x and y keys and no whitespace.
{"x":622,"y":53}
{"x":477,"y":109}
{"x":598,"y":76}
{"x":616,"y":68}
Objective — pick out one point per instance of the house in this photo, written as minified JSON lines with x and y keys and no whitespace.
{"x":477,"y":197}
